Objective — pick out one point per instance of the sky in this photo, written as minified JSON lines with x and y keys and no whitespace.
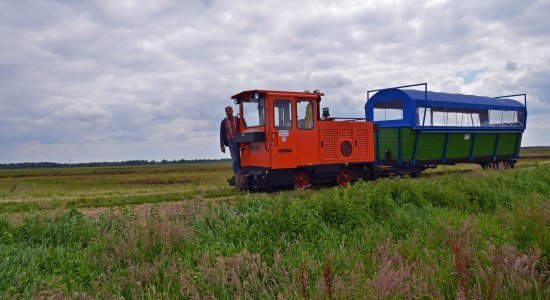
{"x":105,"y":80}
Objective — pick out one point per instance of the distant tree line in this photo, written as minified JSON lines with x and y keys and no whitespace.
{"x":47,"y":165}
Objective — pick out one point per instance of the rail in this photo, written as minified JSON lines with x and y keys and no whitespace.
{"x":425,"y":84}
{"x":344,"y":118}
{"x":516,"y":95}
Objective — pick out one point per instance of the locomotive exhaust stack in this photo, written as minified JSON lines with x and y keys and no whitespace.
{"x":326,"y":112}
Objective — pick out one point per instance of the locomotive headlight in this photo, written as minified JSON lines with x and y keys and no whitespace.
{"x":256,"y":96}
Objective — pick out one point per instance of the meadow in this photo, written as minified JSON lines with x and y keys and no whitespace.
{"x":179,"y":231}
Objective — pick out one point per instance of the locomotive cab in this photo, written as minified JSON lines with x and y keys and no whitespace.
{"x":284,"y":141}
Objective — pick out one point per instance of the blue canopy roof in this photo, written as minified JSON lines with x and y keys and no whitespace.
{"x":462,"y":101}
{"x":409,"y":100}
{"x":436,"y":99}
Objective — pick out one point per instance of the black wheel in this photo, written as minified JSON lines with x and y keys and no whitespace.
{"x":301,"y":180}
{"x":343,"y":178}
{"x":414,"y":174}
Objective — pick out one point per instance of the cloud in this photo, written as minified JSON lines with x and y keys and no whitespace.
{"x":104,"y":80}
{"x":511,"y":66}
{"x":81,"y":112}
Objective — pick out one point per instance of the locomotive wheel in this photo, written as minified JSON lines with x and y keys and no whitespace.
{"x":301,"y":180}
{"x":343,"y":178}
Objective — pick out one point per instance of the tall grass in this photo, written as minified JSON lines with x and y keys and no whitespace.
{"x":452,"y":236}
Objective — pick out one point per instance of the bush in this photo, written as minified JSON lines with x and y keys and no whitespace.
{"x":68,"y":229}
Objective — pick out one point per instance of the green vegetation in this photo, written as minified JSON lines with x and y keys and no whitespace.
{"x":31,"y":190}
{"x":535,"y":151}
{"x":50,"y":165}
{"x":452,"y":233}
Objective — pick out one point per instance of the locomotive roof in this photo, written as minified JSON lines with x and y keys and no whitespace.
{"x":306,"y":94}
{"x":437,"y":99}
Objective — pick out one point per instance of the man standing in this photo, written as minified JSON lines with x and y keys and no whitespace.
{"x":228,"y":128}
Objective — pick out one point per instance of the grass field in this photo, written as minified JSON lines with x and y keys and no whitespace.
{"x":180,"y":231}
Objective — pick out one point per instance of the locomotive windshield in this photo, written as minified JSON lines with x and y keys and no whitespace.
{"x":253,"y":111}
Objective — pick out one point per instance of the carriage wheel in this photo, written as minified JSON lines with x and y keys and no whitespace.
{"x":301,"y":180}
{"x":415,"y":174}
{"x":507,"y":164}
{"x":343,"y":179}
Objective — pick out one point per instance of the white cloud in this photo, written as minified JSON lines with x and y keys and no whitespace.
{"x":82,"y":111}
{"x":104,"y":80}
{"x":537,"y":129}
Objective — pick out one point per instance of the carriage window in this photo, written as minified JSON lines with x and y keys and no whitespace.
{"x":424,"y":116}
{"x":462,"y":119}
{"x":503,"y":117}
{"x":495,"y":117}
{"x":386,"y":111}
{"x":282,"y":114}
{"x":444,"y":117}
{"x":439,"y":118}
{"x":304,"y":113}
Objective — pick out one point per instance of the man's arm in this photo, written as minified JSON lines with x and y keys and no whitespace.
{"x":222,"y":137}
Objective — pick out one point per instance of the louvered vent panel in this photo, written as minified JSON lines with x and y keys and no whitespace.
{"x":329,"y":144}
{"x":345,"y":133}
{"x":362,"y":140}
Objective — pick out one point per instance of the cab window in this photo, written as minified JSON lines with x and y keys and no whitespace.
{"x":253,"y":112}
{"x":282,"y":114}
{"x":304,"y":113}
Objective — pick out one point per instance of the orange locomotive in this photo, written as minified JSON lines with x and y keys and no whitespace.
{"x":284,"y":141}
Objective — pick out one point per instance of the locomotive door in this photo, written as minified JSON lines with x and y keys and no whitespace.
{"x":283,"y":135}
{"x":308,"y":141}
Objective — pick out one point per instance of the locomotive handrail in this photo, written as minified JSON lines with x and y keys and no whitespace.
{"x":516,"y":95}
{"x":344,"y":118}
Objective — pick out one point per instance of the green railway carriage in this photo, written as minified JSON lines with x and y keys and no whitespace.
{"x":417,"y":129}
